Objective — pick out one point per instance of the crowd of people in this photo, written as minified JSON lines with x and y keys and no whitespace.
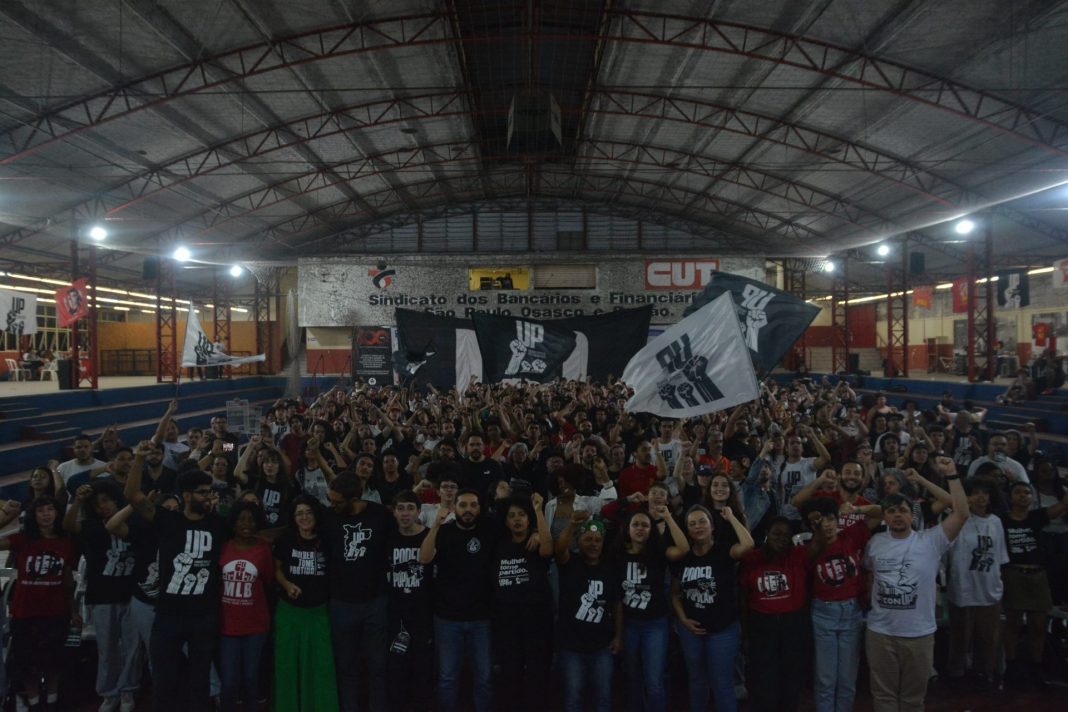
{"x":364,"y":550}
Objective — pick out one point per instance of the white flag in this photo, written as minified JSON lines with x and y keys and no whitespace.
{"x":199,"y":350}
{"x":19,"y":311}
{"x":699,"y":365}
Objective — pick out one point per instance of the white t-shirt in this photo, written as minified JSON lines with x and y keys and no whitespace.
{"x":429,"y":512}
{"x":903,"y":589}
{"x":1010,"y":467}
{"x":70,"y":468}
{"x":792,"y":478}
{"x":975,"y":563}
{"x":313,"y":483}
{"x":171,"y":453}
{"x":671,"y":452}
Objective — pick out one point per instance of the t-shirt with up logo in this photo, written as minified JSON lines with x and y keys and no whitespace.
{"x":189,"y":553}
{"x":357,"y":552}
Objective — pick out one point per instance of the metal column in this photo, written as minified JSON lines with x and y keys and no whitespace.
{"x":794,"y":272}
{"x":221,"y":294}
{"x":167,"y":366}
{"x":840,"y":339}
{"x":897,"y":317}
{"x":83,"y":334}
{"x":982,"y":360}
{"x":265,"y":291}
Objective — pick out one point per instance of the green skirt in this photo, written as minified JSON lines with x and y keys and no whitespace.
{"x":304,"y":678}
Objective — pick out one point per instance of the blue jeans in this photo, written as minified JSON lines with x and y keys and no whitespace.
{"x":587,"y":671}
{"x":645,"y":654}
{"x":710,"y":663}
{"x":239,"y":667}
{"x":360,"y":627}
{"x":454,"y":639}
{"x":837,"y":627}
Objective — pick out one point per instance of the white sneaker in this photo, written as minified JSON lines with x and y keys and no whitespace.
{"x":110,"y":704}
{"x":128,"y":702}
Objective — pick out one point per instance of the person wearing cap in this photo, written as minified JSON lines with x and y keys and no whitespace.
{"x":901,"y":624}
{"x":190,"y":544}
{"x":704,"y":600}
{"x":996,"y":452}
{"x":589,"y":628}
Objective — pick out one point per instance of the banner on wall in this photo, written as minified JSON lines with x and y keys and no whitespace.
{"x":700,"y":365}
{"x":960,"y":295}
{"x":923,"y":297}
{"x":1014,"y":289}
{"x":199,"y":350}
{"x":72,"y":303}
{"x":445,"y":350}
{"x":772,"y":320}
{"x":527,"y":349}
{"x":1060,"y":274}
{"x":373,"y":355}
{"x":20,"y":312}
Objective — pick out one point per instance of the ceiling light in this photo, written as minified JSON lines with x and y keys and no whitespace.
{"x":97,"y":233}
{"x":182,"y":254}
{"x":828,"y":266}
{"x":964,"y":227}
{"x":236,"y":271}
{"x":883,"y":250}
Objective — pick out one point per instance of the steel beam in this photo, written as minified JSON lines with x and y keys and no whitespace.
{"x":167,"y":364}
{"x":840,"y":336}
{"x":83,"y":333}
{"x":221,"y":313}
{"x":897,"y":316}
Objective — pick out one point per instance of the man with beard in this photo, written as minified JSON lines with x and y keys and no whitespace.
{"x":477,"y":471}
{"x":463,"y":554}
{"x":80,"y":465}
{"x":157,"y":477}
{"x":639,"y":475}
{"x":843,"y":490}
{"x":356,"y":547}
{"x":190,"y":542}
{"x":901,"y":625}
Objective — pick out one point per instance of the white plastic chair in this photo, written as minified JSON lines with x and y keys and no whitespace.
{"x":17,"y":374}
{"x":50,"y":372}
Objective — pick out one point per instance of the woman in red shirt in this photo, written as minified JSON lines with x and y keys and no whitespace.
{"x":773,"y":581}
{"x":247,"y":565}
{"x":42,"y":605}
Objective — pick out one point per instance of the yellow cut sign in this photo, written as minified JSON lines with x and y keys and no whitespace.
{"x":482,"y":279}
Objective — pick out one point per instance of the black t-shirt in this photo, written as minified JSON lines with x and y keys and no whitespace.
{"x":587,"y":596}
{"x":709,"y":586}
{"x":409,"y":581}
{"x":736,"y":448}
{"x":643,"y":585}
{"x":109,"y":564}
{"x":388,"y":490}
{"x":521,"y":576}
{"x":304,"y":564}
{"x":189,"y":562}
{"x":464,"y":571}
{"x":146,"y":560}
{"x":1022,"y":538}
{"x":275,"y":499}
{"x":479,"y":475}
{"x":166,"y":483}
{"x":356,"y":549}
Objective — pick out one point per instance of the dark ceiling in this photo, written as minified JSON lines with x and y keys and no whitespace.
{"x":260,"y":131}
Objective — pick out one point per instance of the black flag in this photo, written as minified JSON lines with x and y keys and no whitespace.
{"x":772,"y":320}
{"x":530,"y":349}
{"x":1014,"y":289}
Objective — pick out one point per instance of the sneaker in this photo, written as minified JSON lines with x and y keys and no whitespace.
{"x":21,"y":705}
{"x":110,"y":704}
{"x":127,"y":702}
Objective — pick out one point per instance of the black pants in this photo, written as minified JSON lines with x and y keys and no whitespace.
{"x":360,"y":628}
{"x":172,"y":690}
{"x":522,"y":645}
{"x":411,"y":671}
{"x":777,"y":660}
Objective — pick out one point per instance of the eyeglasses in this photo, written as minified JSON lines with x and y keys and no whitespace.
{"x":204,"y":492}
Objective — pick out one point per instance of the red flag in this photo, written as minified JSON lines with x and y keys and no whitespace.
{"x":72,"y":303}
{"x":922,"y":297}
{"x":960,"y":295}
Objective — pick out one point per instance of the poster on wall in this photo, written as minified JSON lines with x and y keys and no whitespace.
{"x":20,"y":312}
{"x":1060,"y":274}
{"x":1014,"y":289}
{"x":960,"y":295}
{"x":72,"y":303}
{"x":922,"y":297}
{"x":1048,"y":327}
{"x":372,"y":356}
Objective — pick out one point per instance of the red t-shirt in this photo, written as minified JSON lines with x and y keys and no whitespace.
{"x":837,"y":568}
{"x":775,"y":587}
{"x":39,"y":565}
{"x":636,"y":478}
{"x":245,"y":573}
{"x":720,"y":463}
{"x":845,"y":520}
